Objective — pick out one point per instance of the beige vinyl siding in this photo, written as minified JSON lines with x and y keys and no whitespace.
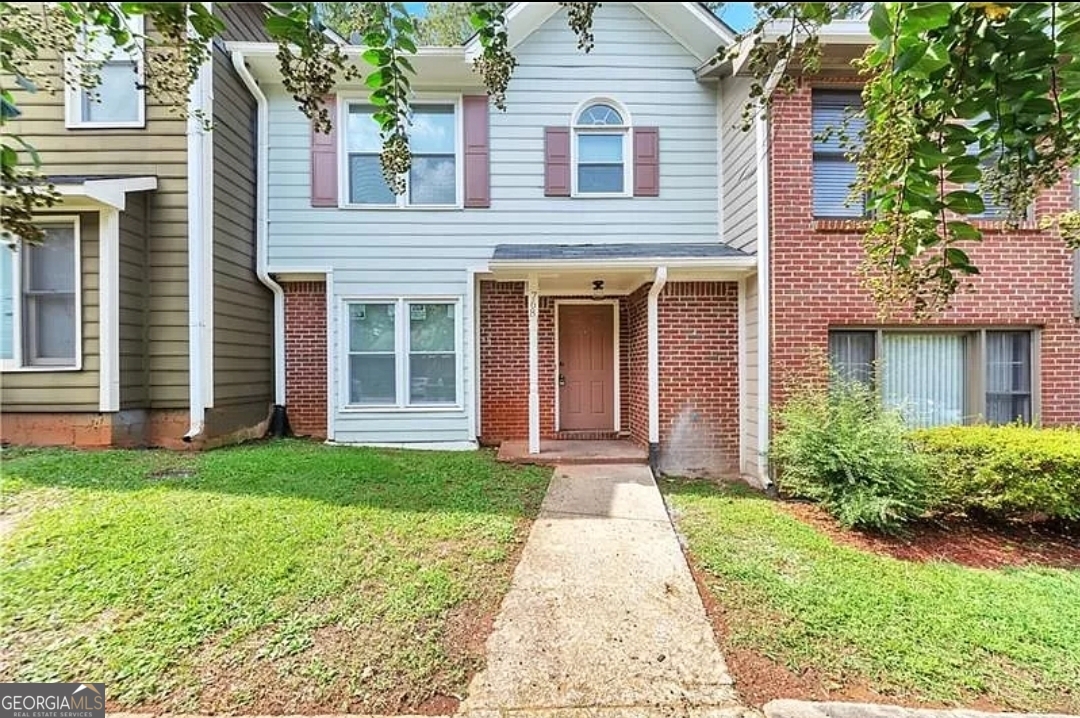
{"x":751,"y":391}
{"x":243,"y":307}
{"x":66,"y":390}
{"x":159,"y":149}
{"x":134,"y":296}
{"x":740,"y":168}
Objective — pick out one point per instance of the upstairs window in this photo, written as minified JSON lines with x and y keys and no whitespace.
{"x":119,"y":99}
{"x":39,"y":300}
{"x":433,"y":139}
{"x":601,"y":146}
{"x":834,"y":173}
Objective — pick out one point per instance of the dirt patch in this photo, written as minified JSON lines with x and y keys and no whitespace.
{"x":961,"y":541}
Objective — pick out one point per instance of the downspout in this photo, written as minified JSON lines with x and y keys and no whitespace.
{"x":199,"y":108}
{"x":653,"y":363}
{"x":765,"y":318}
{"x":279,"y":424}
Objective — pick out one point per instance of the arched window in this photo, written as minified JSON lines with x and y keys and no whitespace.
{"x":601,"y":150}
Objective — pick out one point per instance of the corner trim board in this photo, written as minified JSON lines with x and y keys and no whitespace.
{"x":109,"y":309}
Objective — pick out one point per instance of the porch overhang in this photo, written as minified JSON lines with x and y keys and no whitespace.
{"x":568,"y":269}
{"x":109,"y":191}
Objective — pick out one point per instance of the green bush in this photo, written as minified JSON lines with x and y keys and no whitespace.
{"x":1004,"y":471}
{"x":840,"y":447}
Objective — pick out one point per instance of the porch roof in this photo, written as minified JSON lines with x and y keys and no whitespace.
{"x":652,"y":251}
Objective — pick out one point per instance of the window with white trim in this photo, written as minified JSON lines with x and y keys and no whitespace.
{"x":404,"y":353}
{"x":602,"y":154}
{"x":834,"y":170}
{"x":433,"y":139}
{"x":39,"y":300}
{"x":119,"y":99}
{"x":942,"y":377}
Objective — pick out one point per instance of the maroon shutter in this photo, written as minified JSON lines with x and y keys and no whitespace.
{"x":477,"y":151}
{"x":324,"y":165}
{"x":646,"y":162}
{"x":557,"y":161}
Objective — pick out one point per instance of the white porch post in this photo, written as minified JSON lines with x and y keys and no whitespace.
{"x":654,"y":358}
{"x":534,"y":365}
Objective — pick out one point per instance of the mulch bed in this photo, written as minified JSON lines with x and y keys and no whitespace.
{"x":961,"y":541}
{"x":759,"y":679}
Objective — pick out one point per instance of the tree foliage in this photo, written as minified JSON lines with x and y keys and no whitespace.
{"x":960,"y":99}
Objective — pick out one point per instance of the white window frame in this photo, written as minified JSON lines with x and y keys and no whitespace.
{"x":975,"y":363}
{"x":401,"y":355}
{"x":425,"y":99}
{"x":16,"y":363}
{"x":626,"y":129}
{"x":73,"y":95}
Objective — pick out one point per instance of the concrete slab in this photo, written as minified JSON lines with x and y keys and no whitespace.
{"x":602,"y":617}
{"x":557,"y":452}
{"x":833,"y":709}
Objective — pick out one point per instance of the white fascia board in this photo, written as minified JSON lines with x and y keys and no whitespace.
{"x":109,"y":192}
{"x":747,"y":262}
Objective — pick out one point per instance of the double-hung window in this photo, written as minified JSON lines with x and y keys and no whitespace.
{"x":119,"y":98}
{"x":433,"y":140}
{"x":601,"y":147}
{"x":39,"y":300}
{"x":834,"y":172}
{"x":404,"y":353}
{"x":942,"y":377}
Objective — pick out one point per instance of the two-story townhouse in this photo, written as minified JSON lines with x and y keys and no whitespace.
{"x":612,"y":256}
{"x":140,"y":320}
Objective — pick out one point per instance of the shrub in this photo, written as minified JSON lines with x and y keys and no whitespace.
{"x":1004,"y":471}
{"x":839,"y":446}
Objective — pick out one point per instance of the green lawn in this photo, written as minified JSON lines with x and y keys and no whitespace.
{"x":282,"y":577}
{"x":931,"y":632}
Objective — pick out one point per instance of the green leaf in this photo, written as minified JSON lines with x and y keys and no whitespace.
{"x":925,"y":16}
{"x":963,"y":231}
{"x":964,"y":174}
{"x":910,"y":56}
{"x":964,"y":202}
{"x":376,"y":56}
{"x":880,"y":23}
{"x":957,"y":258}
{"x":375,"y":80}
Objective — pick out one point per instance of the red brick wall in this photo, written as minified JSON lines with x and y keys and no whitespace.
{"x":699,"y":369}
{"x":636,"y":362}
{"x":1026,"y":275}
{"x":305,"y":357}
{"x":504,"y":361}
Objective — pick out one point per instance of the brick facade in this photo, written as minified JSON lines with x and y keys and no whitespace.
{"x":1026,"y":275}
{"x":636,"y":361}
{"x":305,"y":357}
{"x":699,"y":377}
{"x":504,"y":361}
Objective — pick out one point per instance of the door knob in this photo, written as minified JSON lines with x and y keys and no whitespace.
{"x":562,"y":380}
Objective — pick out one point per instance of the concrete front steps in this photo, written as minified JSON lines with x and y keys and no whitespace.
{"x":575,"y":452}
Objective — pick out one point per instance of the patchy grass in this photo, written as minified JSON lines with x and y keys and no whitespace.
{"x":283,"y":577}
{"x":934,"y":633}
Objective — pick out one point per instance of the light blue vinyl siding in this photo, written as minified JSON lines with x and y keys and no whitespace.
{"x":391,"y":253}
{"x":740,"y":162}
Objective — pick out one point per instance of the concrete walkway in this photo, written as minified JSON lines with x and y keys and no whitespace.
{"x":810,"y":709}
{"x":603,"y":617}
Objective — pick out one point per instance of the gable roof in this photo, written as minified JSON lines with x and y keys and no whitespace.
{"x":688,"y":23}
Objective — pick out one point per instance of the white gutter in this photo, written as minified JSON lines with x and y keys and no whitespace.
{"x":761,"y":131}
{"x":199,"y":108}
{"x":262,"y":183}
{"x":653,"y":360}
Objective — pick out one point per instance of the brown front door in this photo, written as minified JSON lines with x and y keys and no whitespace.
{"x":586,"y":367}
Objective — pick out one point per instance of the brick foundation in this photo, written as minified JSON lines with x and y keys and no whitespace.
{"x":305,"y":357}
{"x":163,"y":428}
{"x":1026,"y":276}
{"x":699,"y":378}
